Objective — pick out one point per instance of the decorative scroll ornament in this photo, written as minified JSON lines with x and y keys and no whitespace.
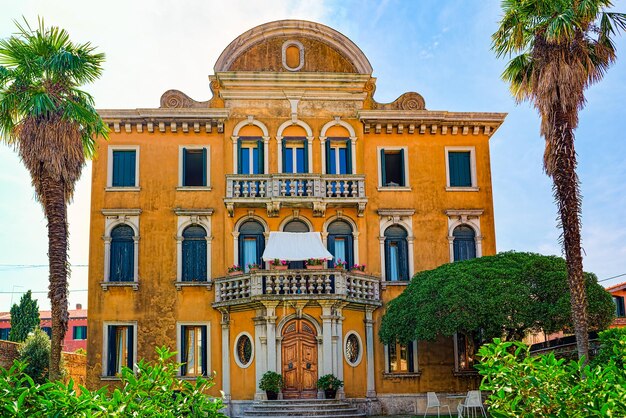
{"x":408,"y":101}
{"x":176,"y":99}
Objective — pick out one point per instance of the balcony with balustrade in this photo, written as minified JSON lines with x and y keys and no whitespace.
{"x":314,"y":191}
{"x":251,"y":289}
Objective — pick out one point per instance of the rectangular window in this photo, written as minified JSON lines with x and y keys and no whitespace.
{"x":120,"y":348}
{"x":401,"y":358}
{"x":620,"y":310}
{"x":4,"y":333}
{"x":194,"y":167}
{"x":466,"y":347}
{"x":47,"y":330}
{"x":250,"y":155}
{"x":193,"y":350}
{"x":295,"y":155}
{"x":338,"y":156}
{"x":79,"y":332}
{"x":124,"y":168}
{"x":392,"y":168}
{"x":460,"y":169}
{"x":249,"y":252}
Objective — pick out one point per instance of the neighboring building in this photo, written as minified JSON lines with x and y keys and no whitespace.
{"x":292,"y":140}
{"x":618,"y":292}
{"x":75,"y":337}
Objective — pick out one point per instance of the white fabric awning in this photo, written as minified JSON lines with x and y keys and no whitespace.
{"x":295,"y":246}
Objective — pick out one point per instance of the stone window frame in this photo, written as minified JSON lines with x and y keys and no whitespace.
{"x":186,"y":218}
{"x":180,"y":186}
{"x":403,"y":218}
{"x":236,"y":233}
{"x":105,"y":345}
{"x":307,"y":143}
{"x":109,"y":185}
{"x":416,"y":370}
{"x":112,"y":219}
{"x":464,"y":217}
{"x":287,"y":44}
{"x":472,"y":150}
{"x":239,"y":336}
{"x":361,"y":348}
{"x":251,"y":121}
{"x":179,"y":325}
{"x":351,"y":143}
{"x":407,"y":180}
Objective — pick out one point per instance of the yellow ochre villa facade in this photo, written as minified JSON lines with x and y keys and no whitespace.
{"x":291,"y":142}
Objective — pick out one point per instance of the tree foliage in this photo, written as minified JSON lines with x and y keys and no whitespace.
{"x":521,"y":385}
{"x":557,"y":49}
{"x":24,"y":317}
{"x":52,"y":124}
{"x":504,"y":296}
{"x":152,"y":391}
{"x":35,"y":352}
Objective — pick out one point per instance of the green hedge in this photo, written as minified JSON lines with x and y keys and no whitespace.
{"x":152,"y":391}
{"x":522,"y":385}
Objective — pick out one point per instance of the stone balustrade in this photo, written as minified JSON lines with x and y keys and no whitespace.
{"x":314,"y":190}
{"x":300,"y":284}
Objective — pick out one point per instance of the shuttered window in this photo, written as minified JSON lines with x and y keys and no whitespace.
{"x":392,"y":170}
{"x":250,"y":156}
{"x":122,"y":254}
{"x":464,"y":243}
{"x":79,"y":332}
{"x":120,"y":348}
{"x":396,"y":254}
{"x":193,"y":350}
{"x":620,"y":310}
{"x":460,"y":168}
{"x":194,"y":254}
{"x":194,"y":167}
{"x":340,"y":243}
{"x":124,"y":168}
{"x":4,"y":333}
{"x":338,"y":156}
{"x":251,"y":244}
{"x":295,"y":155}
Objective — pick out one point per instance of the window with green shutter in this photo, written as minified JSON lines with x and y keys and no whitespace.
{"x":392,"y":170}
{"x":124,"y":168}
{"x":194,"y":167}
{"x":79,"y":332}
{"x":459,"y":167}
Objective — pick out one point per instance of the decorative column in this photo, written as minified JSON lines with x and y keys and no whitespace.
{"x":107,"y":257}
{"x":235,"y":156}
{"x":179,"y":258}
{"x":136,"y":260}
{"x":209,"y":274}
{"x":353,"y":149}
{"x":310,"y":152}
{"x":341,"y":394}
{"x":266,"y":157}
{"x":270,"y":321}
{"x":225,"y":354}
{"x":411,"y":255}
{"x":279,"y":154}
{"x":323,"y":154}
{"x":369,"y":345}
{"x":327,"y":347}
{"x":260,"y":356}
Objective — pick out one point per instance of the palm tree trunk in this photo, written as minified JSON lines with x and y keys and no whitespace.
{"x":56,"y":212}
{"x":567,"y":195}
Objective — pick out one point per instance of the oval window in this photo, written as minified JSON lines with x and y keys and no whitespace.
{"x":293,"y":55}
{"x":353,"y":349}
{"x":243,"y":350}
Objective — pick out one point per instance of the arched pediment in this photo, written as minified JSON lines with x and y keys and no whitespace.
{"x":262,"y":49}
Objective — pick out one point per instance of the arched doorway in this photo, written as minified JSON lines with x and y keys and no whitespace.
{"x":299,"y":360}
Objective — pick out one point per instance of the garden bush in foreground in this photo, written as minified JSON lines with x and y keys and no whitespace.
{"x":152,"y":391}
{"x":522,"y":385}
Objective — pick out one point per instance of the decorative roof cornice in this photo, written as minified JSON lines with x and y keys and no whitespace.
{"x":421,"y":121}
{"x":172,"y":119}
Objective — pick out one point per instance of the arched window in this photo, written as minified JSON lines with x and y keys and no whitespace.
{"x":251,"y":244}
{"x":122,"y":254}
{"x":194,"y":254}
{"x":295,"y":154}
{"x":396,"y":254}
{"x":338,"y":156}
{"x":464,"y":243}
{"x":250,"y":158}
{"x":340,"y":243}
{"x":296,"y":225}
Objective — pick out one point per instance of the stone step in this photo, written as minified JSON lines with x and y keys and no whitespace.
{"x":301,"y":412}
{"x":302,"y":408}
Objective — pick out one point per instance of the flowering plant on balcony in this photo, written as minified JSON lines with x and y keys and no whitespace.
{"x":341,"y":264}
{"x":253,"y":266}
{"x":359,"y":267}
{"x":276,"y":262}
{"x":235,"y":268}
{"x":314,"y":262}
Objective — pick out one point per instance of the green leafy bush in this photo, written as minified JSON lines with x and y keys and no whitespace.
{"x":522,"y":385}
{"x":329,"y":381}
{"x":35,"y":352}
{"x":271,"y":382}
{"x":152,"y":391}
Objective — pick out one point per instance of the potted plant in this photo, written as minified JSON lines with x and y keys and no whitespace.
{"x":358,"y":268}
{"x":340,"y":264}
{"x":252,"y":267}
{"x":271,"y":383}
{"x":234,"y":270}
{"x":329,"y":384}
{"x":314,"y":263}
{"x":277,"y":264}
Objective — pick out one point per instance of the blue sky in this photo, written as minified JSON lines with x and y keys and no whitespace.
{"x":440,"y":49}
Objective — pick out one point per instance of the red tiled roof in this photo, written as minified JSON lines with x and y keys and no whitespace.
{"x":74,"y":314}
{"x":618,"y":286}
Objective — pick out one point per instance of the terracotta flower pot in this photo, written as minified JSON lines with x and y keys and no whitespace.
{"x":279,"y":267}
{"x":235,"y":273}
{"x":315,"y":267}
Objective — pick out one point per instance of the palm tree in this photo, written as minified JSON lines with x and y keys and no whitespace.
{"x":51,"y":124}
{"x":560,"y":48}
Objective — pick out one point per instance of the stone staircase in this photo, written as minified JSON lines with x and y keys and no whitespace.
{"x":304,"y":408}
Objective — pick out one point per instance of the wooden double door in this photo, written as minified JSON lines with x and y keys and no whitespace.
{"x":299,"y":360}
